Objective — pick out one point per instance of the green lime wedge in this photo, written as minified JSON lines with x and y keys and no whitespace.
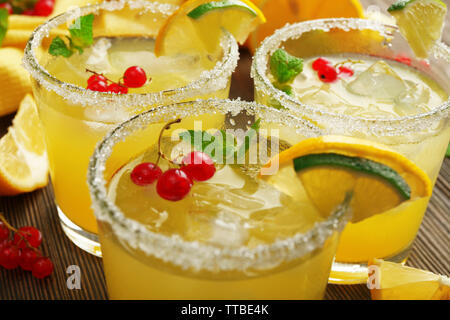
{"x":218,"y":5}
{"x":362,"y":165}
{"x":420,"y":22}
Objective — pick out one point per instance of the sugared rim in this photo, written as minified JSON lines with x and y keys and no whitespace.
{"x":341,"y":123}
{"x":209,"y":81}
{"x":195,"y":255}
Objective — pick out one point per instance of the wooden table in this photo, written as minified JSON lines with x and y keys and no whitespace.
{"x":430,"y":250}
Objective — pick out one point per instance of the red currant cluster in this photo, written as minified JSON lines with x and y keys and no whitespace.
{"x":328,"y":73}
{"x":42,"y":8}
{"x":22,"y":250}
{"x":175,"y":183}
{"x":134,"y":77}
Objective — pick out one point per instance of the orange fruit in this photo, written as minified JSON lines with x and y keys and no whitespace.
{"x":23,"y":156}
{"x":280,"y":12}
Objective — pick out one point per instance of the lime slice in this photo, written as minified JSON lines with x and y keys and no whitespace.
{"x":330,"y":167}
{"x":421,"y":23}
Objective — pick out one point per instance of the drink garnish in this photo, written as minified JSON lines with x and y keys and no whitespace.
{"x":330,"y":167}
{"x":81,"y":36}
{"x":221,"y":140}
{"x":175,"y":183}
{"x":198,"y":26}
{"x":219,"y":5}
{"x":285,"y":67}
{"x":421,"y":23}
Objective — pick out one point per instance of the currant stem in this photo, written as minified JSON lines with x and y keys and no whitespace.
{"x":99,"y":74}
{"x":10,"y":227}
{"x":160,"y":153}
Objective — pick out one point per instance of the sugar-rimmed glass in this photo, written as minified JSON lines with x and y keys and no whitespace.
{"x":143,"y":264}
{"x":75,"y":119}
{"x":423,"y":137}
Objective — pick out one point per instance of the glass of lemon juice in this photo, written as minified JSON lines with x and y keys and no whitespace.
{"x":225,"y":234}
{"x":122,"y":35}
{"x":359,"y":78}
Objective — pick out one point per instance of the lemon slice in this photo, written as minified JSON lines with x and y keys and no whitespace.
{"x":23,"y":157}
{"x":420,"y":22}
{"x":198,"y":25}
{"x":330,"y":167}
{"x":398,"y":282}
{"x":280,"y":12}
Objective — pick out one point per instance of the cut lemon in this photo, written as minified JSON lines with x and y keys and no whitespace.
{"x":420,"y":22}
{"x":398,"y":282}
{"x":198,"y":25}
{"x":330,"y":167}
{"x":23,"y":157}
{"x":280,"y":12}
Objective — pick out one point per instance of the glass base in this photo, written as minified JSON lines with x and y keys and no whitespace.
{"x":83,"y":239}
{"x":357,"y":273}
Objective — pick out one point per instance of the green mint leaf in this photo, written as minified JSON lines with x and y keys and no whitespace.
{"x":4,"y":14}
{"x":399,"y":5}
{"x":285,"y":67}
{"x":447,"y":154}
{"x":81,"y":31}
{"x":59,"y":48}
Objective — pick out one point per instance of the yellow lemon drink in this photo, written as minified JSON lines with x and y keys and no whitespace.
{"x":122,"y":35}
{"x":231,"y":236}
{"x":360,"y":78}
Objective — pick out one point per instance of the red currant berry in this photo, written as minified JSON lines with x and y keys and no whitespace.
{"x":319,"y":63}
{"x":42,"y":267}
{"x":33,"y":236}
{"x":145,"y":173}
{"x":198,"y":166}
{"x":117,"y":88}
{"x":134,"y":77}
{"x":4,"y":231}
{"x":96,"y":78}
{"x":27,"y":258}
{"x":346,"y":70}
{"x":4,"y":243}
{"x":174,"y":185}
{"x":327,"y":74}
{"x":100,"y":86}
{"x":10,"y":257}
{"x":44,"y":8}
{"x":6,"y":6}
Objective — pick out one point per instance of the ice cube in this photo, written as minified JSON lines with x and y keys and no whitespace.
{"x":413,"y":100}
{"x":98,"y":60}
{"x":379,"y":81}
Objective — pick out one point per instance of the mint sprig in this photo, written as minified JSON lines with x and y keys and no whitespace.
{"x":221,"y":146}
{"x":285,"y":67}
{"x":4,"y":14}
{"x":399,"y":5}
{"x":81,"y":36}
